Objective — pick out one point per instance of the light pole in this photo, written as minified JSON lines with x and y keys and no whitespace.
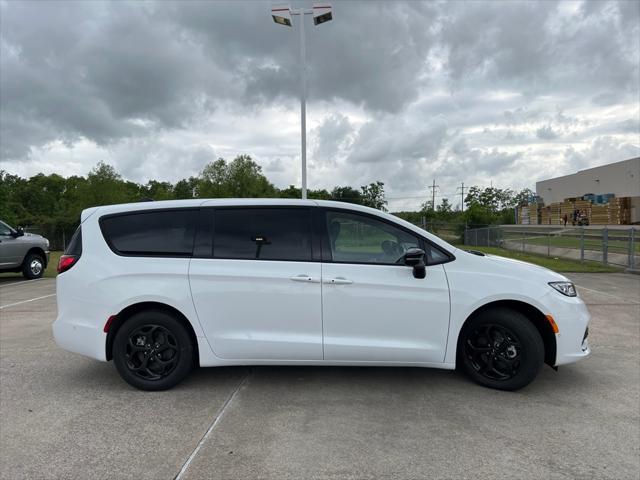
{"x":281,"y":14}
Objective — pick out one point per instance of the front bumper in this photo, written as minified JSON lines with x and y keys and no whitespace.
{"x":572,"y":317}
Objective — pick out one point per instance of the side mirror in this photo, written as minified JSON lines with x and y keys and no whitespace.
{"x":19,"y":232}
{"x":414,"y":257}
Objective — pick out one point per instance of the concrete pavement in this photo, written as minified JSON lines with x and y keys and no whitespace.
{"x":64,"y":416}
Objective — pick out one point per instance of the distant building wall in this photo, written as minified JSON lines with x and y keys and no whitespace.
{"x":620,"y":178}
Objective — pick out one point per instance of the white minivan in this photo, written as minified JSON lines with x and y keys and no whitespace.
{"x":162,"y":287}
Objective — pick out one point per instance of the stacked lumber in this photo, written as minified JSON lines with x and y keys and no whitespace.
{"x":566,"y":208}
{"x":616,"y":212}
{"x":534,"y":213}
{"x":599,"y":215}
{"x":582,"y":205}
{"x":619,"y":211}
{"x":555,"y":214}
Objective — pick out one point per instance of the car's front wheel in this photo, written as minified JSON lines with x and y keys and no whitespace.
{"x":500,"y":348}
{"x":152,"y":350}
{"x":33,"y":266}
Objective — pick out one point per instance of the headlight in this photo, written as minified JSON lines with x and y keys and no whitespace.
{"x":565,"y":288}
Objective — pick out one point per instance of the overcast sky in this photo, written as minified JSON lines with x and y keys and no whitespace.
{"x":504,"y":92}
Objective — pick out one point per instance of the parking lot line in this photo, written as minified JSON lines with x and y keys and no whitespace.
{"x":22,"y":282}
{"x":204,"y":438}
{"x":624,"y":300}
{"x":27,"y":301}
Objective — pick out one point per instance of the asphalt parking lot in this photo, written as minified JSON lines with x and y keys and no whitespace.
{"x":65,"y":416}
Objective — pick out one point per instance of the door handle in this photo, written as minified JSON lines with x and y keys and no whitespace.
{"x":339,"y":281}
{"x":304,"y":278}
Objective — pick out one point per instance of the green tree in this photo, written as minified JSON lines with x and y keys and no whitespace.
{"x":491,"y":198}
{"x":106,"y":187}
{"x":186,"y":188}
{"x":346,"y":194}
{"x":444,"y":210}
{"x":373,"y":196}
{"x":523,"y":197}
{"x":240,"y":178}
{"x":290,"y":192}
{"x":158,"y":190}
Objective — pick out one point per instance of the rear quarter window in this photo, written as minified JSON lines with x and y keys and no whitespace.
{"x":151,"y":233}
{"x":75,"y":245}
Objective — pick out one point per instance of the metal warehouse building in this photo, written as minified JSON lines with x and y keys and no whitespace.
{"x":622,"y":179}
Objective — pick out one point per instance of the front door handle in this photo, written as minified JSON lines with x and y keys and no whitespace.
{"x":339,"y":281}
{"x":304,"y":278}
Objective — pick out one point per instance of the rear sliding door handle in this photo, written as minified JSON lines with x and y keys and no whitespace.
{"x":304,"y":278}
{"x":338,"y":281}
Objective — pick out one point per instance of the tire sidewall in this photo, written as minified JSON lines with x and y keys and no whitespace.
{"x":185,"y":346}
{"x":26,"y":266}
{"x":532,"y":348}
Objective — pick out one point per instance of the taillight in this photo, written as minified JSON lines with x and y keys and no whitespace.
{"x":66,"y":262}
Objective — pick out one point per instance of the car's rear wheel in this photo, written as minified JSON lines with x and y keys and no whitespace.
{"x":33,"y":266}
{"x":152,"y":350}
{"x":501,"y":348}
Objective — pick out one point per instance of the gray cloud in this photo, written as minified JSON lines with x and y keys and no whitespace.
{"x":402,"y":92}
{"x":546,"y":133}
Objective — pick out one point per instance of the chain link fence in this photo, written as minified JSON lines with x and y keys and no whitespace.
{"x":58,"y":237}
{"x":616,"y":246}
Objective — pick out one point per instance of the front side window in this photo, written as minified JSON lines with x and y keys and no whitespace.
{"x":262,"y":234}
{"x":153,"y":233}
{"x":5,"y":229}
{"x":361,"y":239}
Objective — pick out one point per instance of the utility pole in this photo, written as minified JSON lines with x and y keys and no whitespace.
{"x":433,"y":194}
{"x":461,"y":195}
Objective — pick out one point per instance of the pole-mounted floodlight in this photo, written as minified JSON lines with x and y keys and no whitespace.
{"x":321,"y":13}
{"x":281,"y":14}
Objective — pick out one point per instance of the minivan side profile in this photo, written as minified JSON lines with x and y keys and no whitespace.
{"x":162,"y":287}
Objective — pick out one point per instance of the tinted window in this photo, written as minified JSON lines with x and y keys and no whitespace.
{"x":75,"y":245}
{"x":167,"y":232}
{"x":360,"y":239}
{"x":4,"y":229}
{"x":435,"y":255}
{"x":262,"y":233}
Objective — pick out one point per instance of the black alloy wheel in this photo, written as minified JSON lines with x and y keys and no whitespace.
{"x":152,"y":350}
{"x":500,"y":348}
{"x":493,"y":351}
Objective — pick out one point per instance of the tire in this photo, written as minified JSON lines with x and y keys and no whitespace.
{"x":33,"y":266}
{"x":153,"y":351}
{"x":501,"y":349}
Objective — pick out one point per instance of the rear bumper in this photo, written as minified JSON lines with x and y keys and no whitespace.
{"x":79,"y":337}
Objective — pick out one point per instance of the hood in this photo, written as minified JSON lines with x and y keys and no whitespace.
{"x":527,"y":270}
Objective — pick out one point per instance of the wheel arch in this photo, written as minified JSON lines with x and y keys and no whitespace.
{"x":127,"y":312}
{"x":535,"y":316}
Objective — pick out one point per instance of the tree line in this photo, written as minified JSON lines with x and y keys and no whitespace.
{"x":54,"y":203}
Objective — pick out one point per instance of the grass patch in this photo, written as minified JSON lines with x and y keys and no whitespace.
{"x":50,"y":272}
{"x":552,"y":263}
